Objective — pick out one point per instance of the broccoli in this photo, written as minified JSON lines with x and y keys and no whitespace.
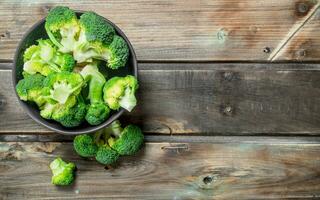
{"x":30,"y":89}
{"x":95,"y":145}
{"x":97,"y":40}
{"x":62,"y":27}
{"x":125,"y":141}
{"x":85,"y":145}
{"x":61,"y":86}
{"x":45,"y":59}
{"x":64,"y":102}
{"x":120,"y":92}
{"x":63,"y":173}
{"x":98,"y":111}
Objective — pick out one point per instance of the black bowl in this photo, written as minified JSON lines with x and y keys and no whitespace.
{"x":36,"y":32}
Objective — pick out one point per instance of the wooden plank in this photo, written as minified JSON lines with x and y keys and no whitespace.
{"x":214,"y":99}
{"x":305,"y":45}
{"x":177,"y":30}
{"x":229,"y":170}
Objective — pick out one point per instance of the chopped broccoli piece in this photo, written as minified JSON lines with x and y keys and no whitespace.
{"x":63,"y":85}
{"x":45,"y":59}
{"x":64,"y":102}
{"x":63,"y":173}
{"x":120,"y":92}
{"x":125,"y":141}
{"x":85,"y":145}
{"x":62,"y":28}
{"x":30,"y":89}
{"x":97,"y":40}
{"x":106,"y":156}
{"x":95,"y":145}
{"x":98,"y":111}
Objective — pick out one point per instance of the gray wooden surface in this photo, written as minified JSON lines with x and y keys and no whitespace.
{"x":233,"y":168}
{"x":229,"y":104}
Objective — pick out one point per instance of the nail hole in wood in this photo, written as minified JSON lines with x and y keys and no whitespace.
{"x":303,"y":8}
{"x":207,"y":180}
{"x":267,"y":50}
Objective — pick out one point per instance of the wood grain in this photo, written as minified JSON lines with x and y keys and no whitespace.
{"x":208,"y":99}
{"x":229,"y":170}
{"x":179,"y":30}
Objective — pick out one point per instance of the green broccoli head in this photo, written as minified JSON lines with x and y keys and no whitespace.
{"x":73,"y":116}
{"x":63,"y":85}
{"x":120,"y":92}
{"x":45,"y":59}
{"x":62,"y":27}
{"x":106,"y":156}
{"x":30,"y":89}
{"x":118,"y":53}
{"x":97,"y":40}
{"x":96,"y":29}
{"x":98,"y":111}
{"x":95,"y":35}
{"x":125,"y":141}
{"x":63,"y":173}
{"x":85,"y":145}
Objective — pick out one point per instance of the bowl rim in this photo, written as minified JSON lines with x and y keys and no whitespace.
{"x":26,"y":106}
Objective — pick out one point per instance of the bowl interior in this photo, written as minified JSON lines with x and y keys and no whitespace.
{"x":38,"y":31}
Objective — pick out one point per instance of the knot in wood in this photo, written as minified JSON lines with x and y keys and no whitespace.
{"x":302,"y":8}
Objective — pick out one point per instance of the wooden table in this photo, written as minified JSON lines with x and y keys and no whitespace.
{"x":229,"y":102}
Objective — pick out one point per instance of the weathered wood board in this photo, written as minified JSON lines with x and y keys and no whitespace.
{"x":182,"y":30}
{"x":215,"y":99}
{"x":226,"y":170}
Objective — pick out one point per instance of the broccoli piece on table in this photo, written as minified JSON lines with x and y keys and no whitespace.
{"x":45,"y":59}
{"x":30,"y":89}
{"x":97,"y":40}
{"x":85,"y":145}
{"x":127,"y":141}
{"x":120,"y":92}
{"x":63,"y":173}
{"x":98,"y":111}
{"x":95,"y":145}
{"x":62,"y":27}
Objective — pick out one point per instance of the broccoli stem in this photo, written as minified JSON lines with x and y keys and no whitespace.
{"x":52,"y":38}
{"x":114,"y":129}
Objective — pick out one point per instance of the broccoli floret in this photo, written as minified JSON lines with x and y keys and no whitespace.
{"x":45,"y":59}
{"x":62,"y":28}
{"x":98,"y":111}
{"x":97,"y":40}
{"x":120,"y":92}
{"x":62,"y":85}
{"x":118,"y":53}
{"x":95,"y":145}
{"x":64,"y":102}
{"x":106,"y":156}
{"x":125,"y":141}
{"x":63,"y":173}
{"x":85,"y":145}
{"x":73,"y":116}
{"x":30,"y":89}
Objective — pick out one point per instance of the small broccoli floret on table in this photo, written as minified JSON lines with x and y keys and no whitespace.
{"x":63,"y":173}
{"x":120,"y":92}
{"x":45,"y":59}
{"x":85,"y":145}
{"x":127,"y":141}
{"x":62,"y":28}
{"x":98,"y":111}
{"x":30,"y":89}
